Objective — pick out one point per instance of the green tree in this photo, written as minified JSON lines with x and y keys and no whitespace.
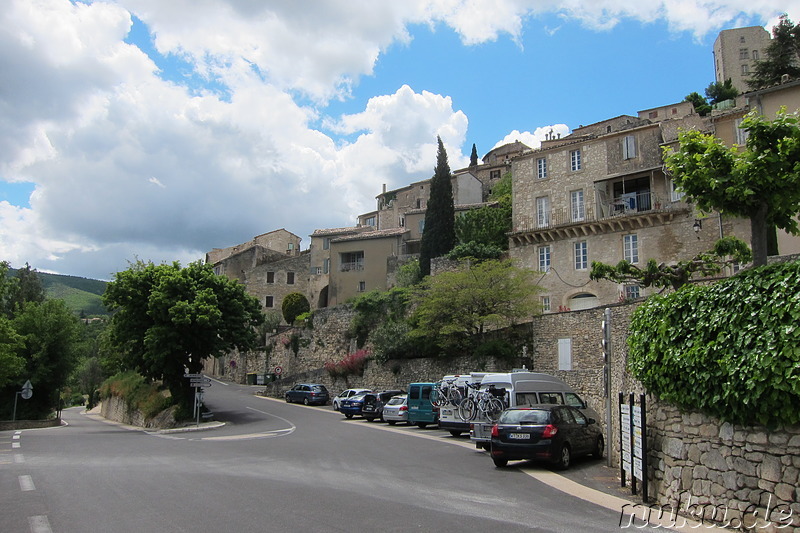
{"x":726,"y":251}
{"x":473,"y":157}
{"x":719,"y":92}
{"x":26,"y":287}
{"x":782,"y":56}
{"x":463,"y":304}
{"x":294,"y":305}
{"x":699,"y":102}
{"x":50,"y":335}
{"x":11,"y":364}
{"x":760,"y":182}
{"x":439,"y":234}
{"x":167,"y":320}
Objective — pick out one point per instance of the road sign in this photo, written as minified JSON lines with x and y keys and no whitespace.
{"x":278,"y":370}
{"x":200,"y":382}
{"x":193,"y":375}
{"x":27,"y":390}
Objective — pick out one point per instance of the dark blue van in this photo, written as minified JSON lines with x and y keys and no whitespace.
{"x":421,"y":411}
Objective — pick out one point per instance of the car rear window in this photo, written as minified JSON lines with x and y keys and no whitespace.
{"x":525,"y":416}
{"x":396,"y":401}
{"x":319,"y":388}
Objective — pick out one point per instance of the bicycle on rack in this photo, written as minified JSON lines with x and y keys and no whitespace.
{"x":446,"y":392}
{"x":483,"y":402}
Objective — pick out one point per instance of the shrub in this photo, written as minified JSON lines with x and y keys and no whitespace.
{"x":137,"y":393}
{"x":731,"y":350}
{"x":352,"y":365}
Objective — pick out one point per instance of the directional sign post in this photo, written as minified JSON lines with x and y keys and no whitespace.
{"x":26,"y":393}
{"x":199,"y":382}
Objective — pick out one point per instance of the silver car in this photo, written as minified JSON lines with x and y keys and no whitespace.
{"x":345,"y":394}
{"x":396,"y":409}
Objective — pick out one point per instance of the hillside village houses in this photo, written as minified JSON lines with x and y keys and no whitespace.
{"x":597,"y":194}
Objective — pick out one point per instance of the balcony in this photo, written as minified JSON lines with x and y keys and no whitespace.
{"x":625,"y":212}
{"x":352,"y":266}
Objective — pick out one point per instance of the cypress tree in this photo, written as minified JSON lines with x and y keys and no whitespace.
{"x":783,"y":56}
{"x":473,"y":158}
{"x":439,"y":235}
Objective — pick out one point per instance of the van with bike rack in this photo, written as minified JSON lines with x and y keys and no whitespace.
{"x":421,"y":410}
{"x":460,"y":385}
{"x":519,"y":389}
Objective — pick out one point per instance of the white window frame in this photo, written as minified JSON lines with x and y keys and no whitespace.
{"x":630,"y":248}
{"x":565,"y":354}
{"x":577,"y":206}
{"x":581,"y":255}
{"x":674,"y":194}
{"x":544,"y":253}
{"x":632,"y":292}
{"x":575,"y":160}
{"x":545,"y":304}
{"x":741,"y":133}
{"x":541,"y":168}
{"x":543,"y":211}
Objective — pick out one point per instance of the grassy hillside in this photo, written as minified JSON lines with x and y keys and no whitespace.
{"x":82,"y":295}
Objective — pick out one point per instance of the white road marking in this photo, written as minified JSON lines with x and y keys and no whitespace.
{"x":39,"y":524}
{"x":19,"y":458}
{"x":15,"y":437}
{"x":15,"y":444}
{"x":26,"y":483}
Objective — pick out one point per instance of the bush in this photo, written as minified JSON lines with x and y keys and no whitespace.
{"x":137,"y":393}
{"x":352,"y":365}
{"x":731,"y":350}
{"x":294,"y":305}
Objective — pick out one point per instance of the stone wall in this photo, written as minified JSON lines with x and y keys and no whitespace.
{"x":116,"y":409}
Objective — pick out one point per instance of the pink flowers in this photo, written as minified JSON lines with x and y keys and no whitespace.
{"x":351,"y":365}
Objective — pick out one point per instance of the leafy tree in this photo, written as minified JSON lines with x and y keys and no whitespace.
{"x":439,"y":235}
{"x":26,"y":287}
{"x":11,"y":364}
{"x":718,"y":92}
{"x":699,"y":102}
{"x":760,"y":182}
{"x":726,"y":251}
{"x":782,"y":56}
{"x":90,"y":376}
{"x":169,"y":319}
{"x":473,"y":158}
{"x":294,"y":305}
{"x":488,"y":225}
{"x":50,"y":335}
{"x":408,"y":273}
{"x":475,"y":250}
{"x":480,"y":296}
{"x":376,"y":307}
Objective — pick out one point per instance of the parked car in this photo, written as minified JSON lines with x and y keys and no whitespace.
{"x":352,"y":406}
{"x":396,"y":409}
{"x":553,"y":433}
{"x":421,"y":411}
{"x":374,"y":403}
{"x":345,"y":394}
{"x":308,"y":393}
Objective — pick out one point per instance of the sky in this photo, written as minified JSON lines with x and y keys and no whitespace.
{"x":156,"y":131}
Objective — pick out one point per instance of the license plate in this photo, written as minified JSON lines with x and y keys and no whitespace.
{"x":519,"y":435}
{"x":447,"y":412}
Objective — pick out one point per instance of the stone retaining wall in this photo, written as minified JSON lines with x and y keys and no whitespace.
{"x":29,"y":424}
{"x":116,"y":409}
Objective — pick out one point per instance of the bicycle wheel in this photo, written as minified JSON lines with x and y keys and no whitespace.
{"x":467,"y":410}
{"x":455,"y":396}
{"x":437,"y":398}
{"x":493,"y":409}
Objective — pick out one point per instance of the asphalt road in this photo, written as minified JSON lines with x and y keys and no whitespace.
{"x":272,"y":467}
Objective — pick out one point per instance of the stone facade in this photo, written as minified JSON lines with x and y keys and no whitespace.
{"x":115,"y":408}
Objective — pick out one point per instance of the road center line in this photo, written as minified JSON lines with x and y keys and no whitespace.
{"x":26,"y":483}
{"x":19,"y":458}
{"x":39,"y":524}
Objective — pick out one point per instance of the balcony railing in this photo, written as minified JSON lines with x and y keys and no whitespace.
{"x":626,"y":205}
{"x":353,"y":266}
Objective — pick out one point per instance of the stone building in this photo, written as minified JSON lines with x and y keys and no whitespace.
{"x":735,"y":54}
{"x":601,"y":194}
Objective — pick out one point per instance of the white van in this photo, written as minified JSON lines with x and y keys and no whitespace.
{"x":521,"y":389}
{"x":448,"y":414}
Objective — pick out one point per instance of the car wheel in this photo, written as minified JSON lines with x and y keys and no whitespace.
{"x":335,"y":406}
{"x":288,"y":400}
{"x":599,"y":447}
{"x":348,"y":416}
{"x":369,"y":418}
{"x":392,"y":422}
{"x":306,"y":402}
{"x":455,"y":433}
{"x":422,"y":425}
{"x":564,"y":457}
{"x":500,"y":462}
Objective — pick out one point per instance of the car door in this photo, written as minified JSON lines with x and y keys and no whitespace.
{"x":583,"y":432}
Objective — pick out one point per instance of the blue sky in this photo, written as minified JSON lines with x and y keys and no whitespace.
{"x":143,"y":129}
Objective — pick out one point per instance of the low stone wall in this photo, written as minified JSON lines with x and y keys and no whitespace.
{"x":116,"y":409}
{"x":29,"y":424}
{"x":743,"y":476}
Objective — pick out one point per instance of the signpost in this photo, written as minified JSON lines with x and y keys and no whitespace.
{"x":26,"y":393}
{"x":199,"y":382}
{"x":633,"y":442}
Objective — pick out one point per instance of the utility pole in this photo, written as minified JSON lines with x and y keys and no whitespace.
{"x":606,"y":343}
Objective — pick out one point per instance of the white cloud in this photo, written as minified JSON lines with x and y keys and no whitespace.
{"x":534,"y":140}
{"x":128,"y":165}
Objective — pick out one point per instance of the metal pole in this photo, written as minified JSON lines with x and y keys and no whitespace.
{"x":607,"y":379}
{"x":14,"y":418}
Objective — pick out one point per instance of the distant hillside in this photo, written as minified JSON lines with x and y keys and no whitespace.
{"x":82,"y":295}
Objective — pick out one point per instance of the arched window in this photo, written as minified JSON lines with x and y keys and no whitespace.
{"x":583,"y":300}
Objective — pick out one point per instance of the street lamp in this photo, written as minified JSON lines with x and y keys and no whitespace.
{"x":698,"y":225}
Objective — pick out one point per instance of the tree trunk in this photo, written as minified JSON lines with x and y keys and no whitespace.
{"x":758,"y":235}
